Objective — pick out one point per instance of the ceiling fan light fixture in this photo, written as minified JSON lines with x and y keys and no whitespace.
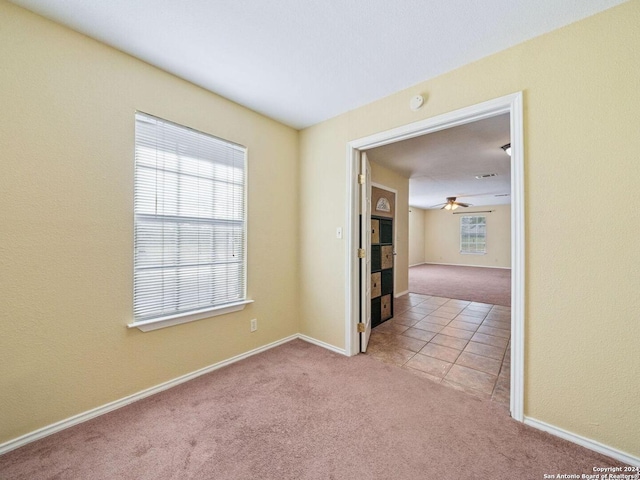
{"x":507,"y":148}
{"x":451,"y":204}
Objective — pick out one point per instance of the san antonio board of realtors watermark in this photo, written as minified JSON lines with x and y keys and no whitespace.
{"x":600,"y":473}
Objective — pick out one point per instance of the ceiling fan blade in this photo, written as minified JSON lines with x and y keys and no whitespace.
{"x":451,"y":201}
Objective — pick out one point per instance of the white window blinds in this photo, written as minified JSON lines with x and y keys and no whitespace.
{"x":190,"y":228}
{"x":473,"y":234}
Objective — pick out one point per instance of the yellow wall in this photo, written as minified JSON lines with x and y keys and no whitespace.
{"x":581,"y":120}
{"x":416,"y":235}
{"x":442,"y":238}
{"x":67,"y":108}
{"x":390,"y":179}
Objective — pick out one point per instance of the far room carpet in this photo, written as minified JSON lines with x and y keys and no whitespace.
{"x":299,"y":411}
{"x":474,"y":284}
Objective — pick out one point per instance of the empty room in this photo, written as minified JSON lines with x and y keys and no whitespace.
{"x":185,"y":285}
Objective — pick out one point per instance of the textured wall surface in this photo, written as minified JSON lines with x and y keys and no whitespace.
{"x":581,"y":120}
{"x":416,"y":235}
{"x":66,"y":225}
{"x":442,"y":238}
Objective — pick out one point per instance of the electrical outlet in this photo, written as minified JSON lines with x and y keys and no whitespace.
{"x":254,"y":324}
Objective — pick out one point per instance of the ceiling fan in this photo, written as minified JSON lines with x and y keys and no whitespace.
{"x":451,"y":204}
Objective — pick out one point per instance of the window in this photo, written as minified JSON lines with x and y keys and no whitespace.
{"x":190,"y":227}
{"x":473,"y":234}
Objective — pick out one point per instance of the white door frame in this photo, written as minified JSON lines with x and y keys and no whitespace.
{"x":511,"y":104}
{"x":365,"y":244}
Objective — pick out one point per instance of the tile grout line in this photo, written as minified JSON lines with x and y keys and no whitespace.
{"x":482,"y":319}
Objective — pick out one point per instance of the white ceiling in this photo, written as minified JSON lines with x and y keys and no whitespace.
{"x":302,"y":62}
{"x":445,"y":163}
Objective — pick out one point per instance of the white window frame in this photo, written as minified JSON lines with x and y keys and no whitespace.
{"x":159,"y":231}
{"x":468,"y":250}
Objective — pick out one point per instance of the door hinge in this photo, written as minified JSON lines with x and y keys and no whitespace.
{"x":362,"y":253}
{"x":361,"y":179}
{"x":361,"y":328}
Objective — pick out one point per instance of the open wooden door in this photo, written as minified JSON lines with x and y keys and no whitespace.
{"x":364,"y":327}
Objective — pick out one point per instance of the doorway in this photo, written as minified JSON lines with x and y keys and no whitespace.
{"x":511,"y":104}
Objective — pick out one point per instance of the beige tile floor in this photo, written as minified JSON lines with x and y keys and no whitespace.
{"x":460,"y":344}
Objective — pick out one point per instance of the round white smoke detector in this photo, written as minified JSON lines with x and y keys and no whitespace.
{"x":416,"y":102}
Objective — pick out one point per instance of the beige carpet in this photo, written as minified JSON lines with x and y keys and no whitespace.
{"x":474,"y":284}
{"x":301,"y":412}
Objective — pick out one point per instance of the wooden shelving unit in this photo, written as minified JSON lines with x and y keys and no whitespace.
{"x":381,"y":270}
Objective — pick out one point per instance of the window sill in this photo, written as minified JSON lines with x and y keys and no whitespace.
{"x":163,"y":322}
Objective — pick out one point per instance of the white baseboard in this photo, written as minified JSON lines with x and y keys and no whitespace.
{"x":96,"y":412}
{"x":463,"y":265}
{"x":396,"y":295}
{"x":322,"y":344}
{"x":416,"y":264}
{"x":584,"y":442}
